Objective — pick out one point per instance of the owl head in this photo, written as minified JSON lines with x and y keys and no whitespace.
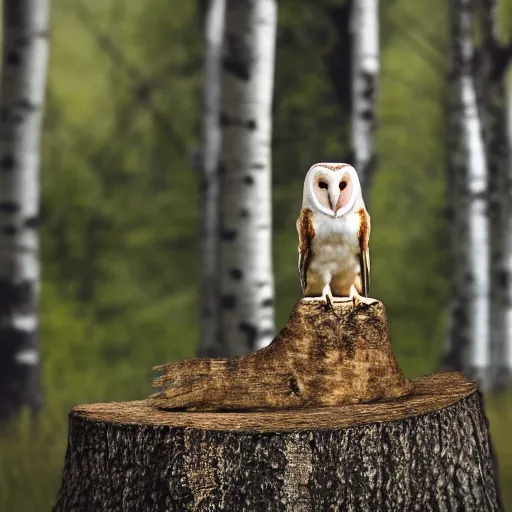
{"x":332,"y":189}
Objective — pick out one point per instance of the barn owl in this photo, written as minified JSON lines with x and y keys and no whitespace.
{"x":334,"y":230}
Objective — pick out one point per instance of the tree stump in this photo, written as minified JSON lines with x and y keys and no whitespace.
{"x":427,"y":451}
{"x":324,"y":356}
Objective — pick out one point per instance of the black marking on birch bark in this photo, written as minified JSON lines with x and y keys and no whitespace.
{"x":7,"y":163}
{"x":228,"y":235}
{"x":32,"y":222}
{"x":236,"y":274}
{"x":236,"y":68}
{"x":261,"y":284}
{"x":22,"y":42}
{"x":267,"y":303}
{"x":25,"y":104}
{"x":17,"y":380}
{"x":13,"y":58}
{"x":227,"y":120}
{"x":228,"y":302}
{"x":482,"y":195}
{"x":19,"y":297}
{"x":9,"y":207}
{"x":248,"y":180}
{"x":258,"y":167}
{"x":244,"y":212}
{"x":250,"y":331}
{"x":367,"y":115}
{"x":236,"y":61}
{"x":9,"y":230}
{"x":17,"y":118}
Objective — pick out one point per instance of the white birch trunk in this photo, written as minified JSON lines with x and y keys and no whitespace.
{"x":507,"y":356}
{"x":247,"y":282}
{"x":23,"y":84}
{"x":458,"y":341}
{"x":478,"y":245}
{"x":491,"y":101}
{"x":213,"y":37}
{"x":365,"y":70}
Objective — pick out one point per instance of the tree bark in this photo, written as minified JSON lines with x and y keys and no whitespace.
{"x":429,"y":451}
{"x":491,"y":101}
{"x":473,"y":272}
{"x":458,"y":342}
{"x":365,"y":62}
{"x":507,"y":359}
{"x":322,"y":357}
{"x":247,"y":282}
{"x":25,"y":56}
{"x":214,"y":32}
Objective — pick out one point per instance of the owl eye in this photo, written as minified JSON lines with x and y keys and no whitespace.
{"x":343,"y":185}
{"x":322,"y":184}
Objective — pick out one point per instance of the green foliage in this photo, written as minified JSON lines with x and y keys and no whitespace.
{"x":120,"y":202}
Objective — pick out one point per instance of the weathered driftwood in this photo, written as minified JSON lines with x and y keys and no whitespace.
{"x":323,"y":357}
{"x":427,"y":451}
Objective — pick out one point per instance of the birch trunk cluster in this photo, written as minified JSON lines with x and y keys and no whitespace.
{"x":479,"y":197}
{"x":238,"y":291}
{"x":365,"y":70}
{"x":23,"y":83}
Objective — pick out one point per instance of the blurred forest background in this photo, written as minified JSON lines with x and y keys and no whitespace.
{"x":120,"y":250}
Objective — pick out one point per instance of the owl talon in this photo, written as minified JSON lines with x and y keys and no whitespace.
{"x":327,"y":297}
{"x":355,"y":297}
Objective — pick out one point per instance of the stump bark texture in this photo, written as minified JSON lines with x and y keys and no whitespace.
{"x":429,"y":451}
{"x":323,"y":357}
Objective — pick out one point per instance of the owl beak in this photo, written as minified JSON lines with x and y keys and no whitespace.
{"x":333,"y":201}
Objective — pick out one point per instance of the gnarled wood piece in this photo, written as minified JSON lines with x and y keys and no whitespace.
{"x":426,"y":451}
{"x":322,"y":357}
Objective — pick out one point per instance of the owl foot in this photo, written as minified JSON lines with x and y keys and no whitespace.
{"x":327,"y":297}
{"x":354,"y":296}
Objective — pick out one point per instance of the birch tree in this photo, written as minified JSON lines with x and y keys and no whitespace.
{"x":247,"y":283}
{"x":365,"y":70}
{"x":478,"y":240}
{"x":23,"y":83}
{"x":507,"y":352}
{"x":458,"y":342}
{"x":491,"y":73}
{"x":213,"y":37}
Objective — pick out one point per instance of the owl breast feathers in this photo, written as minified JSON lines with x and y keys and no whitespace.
{"x":334,"y":231}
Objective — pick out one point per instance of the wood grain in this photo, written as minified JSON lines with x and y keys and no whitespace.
{"x":322,"y":357}
{"x":430,"y":393}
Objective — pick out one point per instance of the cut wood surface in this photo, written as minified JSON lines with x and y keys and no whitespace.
{"x":429,"y":393}
{"x":427,"y":451}
{"x":323,"y":357}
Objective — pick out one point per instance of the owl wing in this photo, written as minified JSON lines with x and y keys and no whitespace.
{"x":306,"y":233}
{"x":364,"y":255}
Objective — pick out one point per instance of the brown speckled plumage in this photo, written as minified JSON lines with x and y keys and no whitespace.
{"x":306,"y":233}
{"x":335,"y":167}
{"x":364,"y":229}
